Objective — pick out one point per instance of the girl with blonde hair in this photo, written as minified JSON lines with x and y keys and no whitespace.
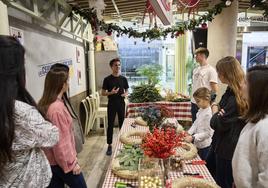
{"x":226,"y":121}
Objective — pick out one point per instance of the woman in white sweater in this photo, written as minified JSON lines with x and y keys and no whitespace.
{"x":250,"y":160}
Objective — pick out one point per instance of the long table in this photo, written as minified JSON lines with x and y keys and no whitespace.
{"x":111,"y":178}
{"x":182,"y":110}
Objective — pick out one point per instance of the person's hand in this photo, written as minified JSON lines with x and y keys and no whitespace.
{"x":214,"y":108}
{"x":77,"y":169}
{"x":188,"y":138}
{"x":114,"y":90}
{"x":125,"y":94}
{"x":221,"y":112}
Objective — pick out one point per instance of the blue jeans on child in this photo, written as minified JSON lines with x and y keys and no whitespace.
{"x":203,"y":153}
{"x":59,"y":178}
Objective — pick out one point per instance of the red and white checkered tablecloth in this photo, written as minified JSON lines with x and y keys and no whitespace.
{"x":182,"y":110}
{"x":110,"y":178}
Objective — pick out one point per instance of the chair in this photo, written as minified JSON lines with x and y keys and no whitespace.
{"x":97,"y":115}
{"x":91,"y":118}
{"x":99,"y":108}
{"x":86,"y":108}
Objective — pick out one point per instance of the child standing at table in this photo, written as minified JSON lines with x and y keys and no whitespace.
{"x":201,"y":133}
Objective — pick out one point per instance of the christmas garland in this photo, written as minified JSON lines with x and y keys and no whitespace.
{"x":158,"y":33}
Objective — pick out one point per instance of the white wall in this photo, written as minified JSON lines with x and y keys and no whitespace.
{"x":44,"y":49}
{"x":252,"y":39}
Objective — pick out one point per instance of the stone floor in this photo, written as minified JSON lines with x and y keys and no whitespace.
{"x":93,"y":159}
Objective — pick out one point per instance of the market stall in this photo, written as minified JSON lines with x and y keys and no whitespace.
{"x":191,"y":169}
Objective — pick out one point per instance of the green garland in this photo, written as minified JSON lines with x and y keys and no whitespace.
{"x":156,"y":33}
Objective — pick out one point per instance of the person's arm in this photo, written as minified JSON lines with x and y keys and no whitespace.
{"x":63,"y":150}
{"x":223,"y":120}
{"x":213,"y":80}
{"x":42,"y":132}
{"x":214,"y":87}
{"x":125,"y":93}
{"x":125,"y":88}
{"x":107,"y":93}
{"x":262,"y":150}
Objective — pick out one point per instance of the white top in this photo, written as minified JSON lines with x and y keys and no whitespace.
{"x":202,"y":76}
{"x":201,"y":129}
{"x":250,"y":160}
{"x":30,"y":169}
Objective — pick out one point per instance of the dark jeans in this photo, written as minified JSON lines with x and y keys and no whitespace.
{"x":211,"y":161}
{"x":115,"y":106}
{"x":224,"y":173}
{"x":59,"y":178}
{"x":194,"y":110}
{"x":203,"y":153}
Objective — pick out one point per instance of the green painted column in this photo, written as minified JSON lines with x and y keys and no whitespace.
{"x":180,"y":64}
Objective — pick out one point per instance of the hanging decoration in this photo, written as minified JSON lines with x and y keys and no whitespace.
{"x":158,"y":33}
{"x":175,"y":31}
{"x":152,"y":15}
{"x":98,"y":6}
{"x":192,"y":5}
{"x":90,"y":16}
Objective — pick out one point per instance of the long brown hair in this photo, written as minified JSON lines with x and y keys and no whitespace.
{"x":230,"y":68}
{"x":54,"y":82}
{"x":257,"y":83}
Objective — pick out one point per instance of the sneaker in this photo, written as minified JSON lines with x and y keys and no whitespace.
{"x":109,"y":150}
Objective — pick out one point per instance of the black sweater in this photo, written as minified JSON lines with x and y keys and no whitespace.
{"x":227,"y":127}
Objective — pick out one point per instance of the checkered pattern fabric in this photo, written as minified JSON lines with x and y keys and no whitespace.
{"x":182,"y":110}
{"x":111,"y":179}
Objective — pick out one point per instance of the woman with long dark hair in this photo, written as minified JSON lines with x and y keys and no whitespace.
{"x":226,"y":121}
{"x":23,"y":129}
{"x":250,"y":160}
{"x":62,"y":156}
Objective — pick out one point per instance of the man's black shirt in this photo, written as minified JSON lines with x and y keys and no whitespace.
{"x":111,"y":82}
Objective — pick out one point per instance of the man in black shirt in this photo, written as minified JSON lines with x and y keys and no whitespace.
{"x":115,"y":86}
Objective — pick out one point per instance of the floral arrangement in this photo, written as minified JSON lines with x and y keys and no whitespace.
{"x":155,"y":115}
{"x":161,"y":143}
{"x":175,"y":97}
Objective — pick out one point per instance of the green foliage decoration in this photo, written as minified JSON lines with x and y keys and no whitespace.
{"x":145,"y":93}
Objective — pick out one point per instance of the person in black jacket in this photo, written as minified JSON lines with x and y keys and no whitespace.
{"x":226,"y":121}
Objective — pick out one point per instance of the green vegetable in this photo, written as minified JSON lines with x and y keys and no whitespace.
{"x":145,"y":93}
{"x":129,"y":157}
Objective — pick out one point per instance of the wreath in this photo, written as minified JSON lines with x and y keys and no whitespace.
{"x":190,"y":153}
{"x":193,"y":182}
{"x":125,"y":138}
